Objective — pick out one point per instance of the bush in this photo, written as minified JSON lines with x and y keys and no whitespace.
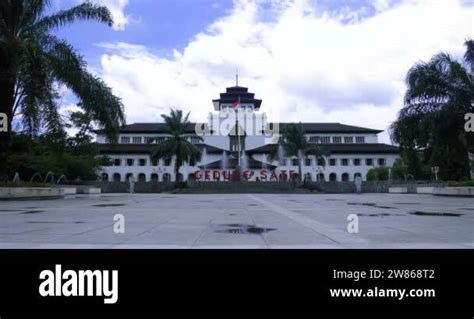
{"x":378,"y":174}
{"x":23,"y":184}
{"x":371,"y":175}
{"x":39,"y":155}
{"x":460,"y":184}
{"x":399,"y":170}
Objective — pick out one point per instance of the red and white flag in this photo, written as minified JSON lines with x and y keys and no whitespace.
{"x":236,"y":104}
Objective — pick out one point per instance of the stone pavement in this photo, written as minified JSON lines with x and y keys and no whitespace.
{"x":239,"y":221}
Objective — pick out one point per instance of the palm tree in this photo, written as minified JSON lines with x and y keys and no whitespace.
{"x":177,"y":144}
{"x":294,"y":142}
{"x":440,"y":92}
{"x":34,"y":62}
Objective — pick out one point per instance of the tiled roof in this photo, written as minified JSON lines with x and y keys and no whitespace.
{"x":368,"y":148}
{"x":153,"y":128}
{"x":308,"y":128}
{"x":331,"y":128}
{"x":143,"y":148}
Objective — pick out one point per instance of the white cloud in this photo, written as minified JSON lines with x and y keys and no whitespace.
{"x":305,"y":65}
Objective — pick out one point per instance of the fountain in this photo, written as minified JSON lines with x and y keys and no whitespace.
{"x":52,"y":177}
{"x":204,"y":157}
{"x":61,"y":178}
{"x":225,"y":160}
{"x":244,"y":162}
{"x":16,"y":179}
{"x":280,"y":155}
{"x":37,"y":174}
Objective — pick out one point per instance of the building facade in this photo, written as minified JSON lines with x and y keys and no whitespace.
{"x":239,"y":143}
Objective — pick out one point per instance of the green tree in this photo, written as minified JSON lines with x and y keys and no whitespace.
{"x":416,"y":164}
{"x":378,"y":174}
{"x":47,"y":153}
{"x":295,"y":143}
{"x":440,"y":92}
{"x":399,"y":170}
{"x":33,"y":62}
{"x":177,"y":144}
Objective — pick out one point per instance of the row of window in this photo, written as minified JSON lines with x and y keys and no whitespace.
{"x":141,"y":177}
{"x":196,"y":140}
{"x":337,"y":139}
{"x":334,"y":161}
{"x":151,"y":139}
{"x":294,"y":162}
{"x":166,"y":177}
{"x":345,"y":177}
{"x":144,"y":162}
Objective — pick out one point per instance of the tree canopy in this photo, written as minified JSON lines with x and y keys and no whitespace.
{"x":440,"y":92}
{"x":295,"y":143}
{"x":177,"y":144}
{"x":35,"y":63}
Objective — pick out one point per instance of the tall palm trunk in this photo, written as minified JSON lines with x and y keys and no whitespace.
{"x":300,"y":169}
{"x":177,"y":166}
{"x":7,"y":93}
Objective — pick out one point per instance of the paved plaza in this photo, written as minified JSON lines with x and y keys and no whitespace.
{"x":239,"y":221}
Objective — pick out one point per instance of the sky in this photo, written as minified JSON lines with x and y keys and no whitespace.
{"x":309,"y":60}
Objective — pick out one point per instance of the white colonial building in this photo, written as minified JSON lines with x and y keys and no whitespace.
{"x":237,"y":143}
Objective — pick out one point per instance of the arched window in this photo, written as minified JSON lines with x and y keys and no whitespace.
{"x":333,"y":177}
{"x":308,"y":177}
{"x":141,"y":177}
{"x":154,"y":177}
{"x":129,"y":177}
{"x":345,"y":177}
{"x":117,"y":177}
{"x":357,"y":175}
{"x":166,"y":177}
{"x":320,"y":177}
{"x":105,"y":177}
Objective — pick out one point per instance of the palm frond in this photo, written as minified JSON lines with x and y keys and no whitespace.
{"x":177,"y":144}
{"x":84,"y":11}
{"x":63,"y":51}
{"x":429,"y":82}
{"x":52,"y":120}
{"x":96,"y":97}
{"x":319,"y":152}
{"x":175,"y":122}
{"x":32,"y":11}
{"x":469,"y":55}
{"x":35,"y":83}
{"x":273,"y":154}
{"x":164,"y":149}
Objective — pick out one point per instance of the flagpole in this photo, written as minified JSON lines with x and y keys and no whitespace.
{"x":237,"y":130}
{"x":238,"y":137}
